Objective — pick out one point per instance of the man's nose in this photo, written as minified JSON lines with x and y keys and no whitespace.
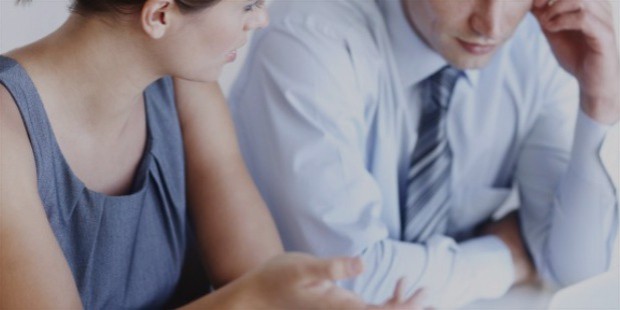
{"x":487,"y":18}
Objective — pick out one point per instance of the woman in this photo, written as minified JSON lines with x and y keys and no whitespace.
{"x":101,"y":153}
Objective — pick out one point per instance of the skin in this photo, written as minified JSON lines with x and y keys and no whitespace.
{"x":508,"y":230}
{"x":303,"y":282}
{"x":443,"y":23}
{"x":97,"y":114}
{"x":583,"y":39}
{"x":581,"y":34}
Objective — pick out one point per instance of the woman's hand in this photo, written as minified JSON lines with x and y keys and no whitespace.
{"x":295,"y":281}
{"x":299,"y":281}
{"x":582,"y":36}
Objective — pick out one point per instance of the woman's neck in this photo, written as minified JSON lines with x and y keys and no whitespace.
{"x":91,"y":71}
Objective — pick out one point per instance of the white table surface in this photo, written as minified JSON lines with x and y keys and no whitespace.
{"x":532,"y":296}
{"x":600,"y":292}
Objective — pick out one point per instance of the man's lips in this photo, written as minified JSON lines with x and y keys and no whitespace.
{"x":476,"y":48}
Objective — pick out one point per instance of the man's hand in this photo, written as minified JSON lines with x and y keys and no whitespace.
{"x":581,"y":34}
{"x":299,"y":281}
{"x":507,"y":229}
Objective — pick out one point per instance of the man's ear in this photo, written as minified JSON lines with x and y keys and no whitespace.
{"x":156,"y":16}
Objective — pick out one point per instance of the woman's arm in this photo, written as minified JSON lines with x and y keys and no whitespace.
{"x":33,"y":271}
{"x":236,"y":231}
{"x":234,"y":228}
{"x":300,"y":281}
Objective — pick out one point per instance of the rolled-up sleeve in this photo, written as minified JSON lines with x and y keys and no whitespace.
{"x":569,"y":204}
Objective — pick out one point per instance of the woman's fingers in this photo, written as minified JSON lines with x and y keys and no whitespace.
{"x":398,"y":300}
{"x":399,"y":291}
{"x":335,"y":269}
{"x":415,"y":301}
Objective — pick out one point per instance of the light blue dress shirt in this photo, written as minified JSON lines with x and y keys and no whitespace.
{"x":326,"y":108}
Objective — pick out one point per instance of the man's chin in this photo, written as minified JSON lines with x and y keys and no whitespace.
{"x":469,"y":62}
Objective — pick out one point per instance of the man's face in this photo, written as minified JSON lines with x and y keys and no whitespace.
{"x":466,"y":32}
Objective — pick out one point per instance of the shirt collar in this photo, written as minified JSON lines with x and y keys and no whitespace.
{"x":416,"y":61}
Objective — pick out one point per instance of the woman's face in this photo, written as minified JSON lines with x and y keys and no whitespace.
{"x":198,"y":44}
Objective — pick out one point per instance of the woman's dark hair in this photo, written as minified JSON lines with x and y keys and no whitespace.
{"x":131,"y":6}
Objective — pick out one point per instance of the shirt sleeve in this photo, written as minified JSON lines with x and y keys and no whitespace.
{"x":300,"y":117}
{"x":569,"y":205}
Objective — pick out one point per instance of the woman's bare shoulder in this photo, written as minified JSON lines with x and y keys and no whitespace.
{"x":17,"y":164}
{"x":25,"y":233}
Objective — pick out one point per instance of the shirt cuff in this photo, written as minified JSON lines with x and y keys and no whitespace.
{"x":492,"y":265}
{"x":585,"y":160}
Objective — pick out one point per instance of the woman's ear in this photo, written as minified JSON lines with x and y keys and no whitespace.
{"x":156,"y":16}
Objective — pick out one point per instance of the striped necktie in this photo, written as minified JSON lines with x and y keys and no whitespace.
{"x":425,"y":211}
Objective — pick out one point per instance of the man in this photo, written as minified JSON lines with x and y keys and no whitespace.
{"x":394,"y":130}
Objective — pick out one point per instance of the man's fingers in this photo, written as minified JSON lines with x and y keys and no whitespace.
{"x":600,"y":9}
{"x":603,"y":11}
{"x":336,"y":268}
{"x":540,"y":3}
{"x":562,"y":7}
{"x":580,"y":15}
{"x":578,"y":21}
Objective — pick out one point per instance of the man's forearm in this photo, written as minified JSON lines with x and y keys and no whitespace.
{"x":585,"y":219}
{"x":454,"y":274}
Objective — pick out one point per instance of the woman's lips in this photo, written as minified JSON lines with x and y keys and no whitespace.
{"x":476,"y":49}
{"x":231,"y":56}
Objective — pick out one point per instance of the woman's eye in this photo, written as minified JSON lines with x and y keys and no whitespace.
{"x":256,"y":5}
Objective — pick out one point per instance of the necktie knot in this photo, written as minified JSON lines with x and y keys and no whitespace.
{"x":441,"y":85}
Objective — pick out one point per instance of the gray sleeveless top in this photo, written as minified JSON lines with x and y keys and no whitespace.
{"x":124,"y":251}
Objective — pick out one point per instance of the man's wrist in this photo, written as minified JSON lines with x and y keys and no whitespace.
{"x":521,"y":266}
{"x":524,"y":270}
{"x":602,"y":109}
{"x":585,"y":162}
{"x":490,"y":258}
{"x":508,"y":232}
